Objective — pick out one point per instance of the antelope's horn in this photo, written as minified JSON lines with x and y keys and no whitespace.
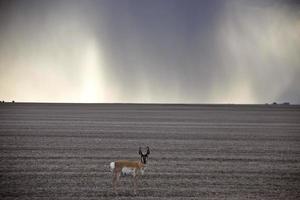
{"x":148,"y":151}
{"x":140,"y":151}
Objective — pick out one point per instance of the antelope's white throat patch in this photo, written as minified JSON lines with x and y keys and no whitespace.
{"x":142,"y":171}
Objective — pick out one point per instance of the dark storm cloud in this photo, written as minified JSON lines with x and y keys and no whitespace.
{"x":156,"y":46}
{"x":150,"y":51}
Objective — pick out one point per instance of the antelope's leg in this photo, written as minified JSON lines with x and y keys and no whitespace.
{"x":115,"y":177}
{"x":134,"y":182}
{"x":118,"y":177}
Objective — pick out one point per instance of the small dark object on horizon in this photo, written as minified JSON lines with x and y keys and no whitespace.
{"x":284,"y":103}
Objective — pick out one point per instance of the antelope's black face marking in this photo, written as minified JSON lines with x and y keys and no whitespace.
{"x":144,"y":159}
{"x":144,"y":156}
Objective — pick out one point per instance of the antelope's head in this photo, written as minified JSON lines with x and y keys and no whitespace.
{"x":144,"y":156}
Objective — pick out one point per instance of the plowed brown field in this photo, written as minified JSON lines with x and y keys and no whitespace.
{"x":63,"y":151}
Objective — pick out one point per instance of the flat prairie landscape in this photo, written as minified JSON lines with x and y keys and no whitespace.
{"x":63,"y":151}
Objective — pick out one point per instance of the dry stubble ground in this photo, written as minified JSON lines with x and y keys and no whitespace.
{"x":63,"y":151}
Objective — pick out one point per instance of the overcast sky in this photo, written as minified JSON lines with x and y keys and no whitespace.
{"x":150,"y":51}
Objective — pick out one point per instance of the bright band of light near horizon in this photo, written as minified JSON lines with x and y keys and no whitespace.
{"x":139,"y":51}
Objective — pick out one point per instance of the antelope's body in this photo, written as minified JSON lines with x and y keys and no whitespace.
{"x":126,"y":167}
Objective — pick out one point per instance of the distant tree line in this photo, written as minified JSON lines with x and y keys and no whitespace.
{"x":7,"y":102}
{"x":275,"y":103}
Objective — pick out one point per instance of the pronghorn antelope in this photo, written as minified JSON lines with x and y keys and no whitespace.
{"x":126,"y":167}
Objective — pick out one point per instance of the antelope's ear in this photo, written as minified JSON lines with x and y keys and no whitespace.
{"x":148,"y":151}
{"x":140,"y":151}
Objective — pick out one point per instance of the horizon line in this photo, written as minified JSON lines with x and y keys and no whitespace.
{"x":146,"y":103}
